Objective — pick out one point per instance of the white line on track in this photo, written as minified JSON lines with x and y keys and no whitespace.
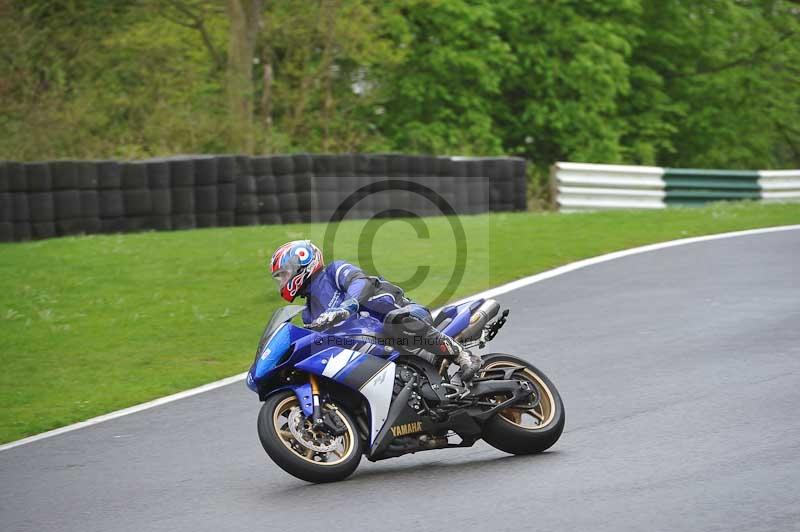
{"x":561,"y":270}
{"x":492,"y":292}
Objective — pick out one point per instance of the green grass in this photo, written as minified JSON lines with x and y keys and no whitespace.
{"x":94,"y":324}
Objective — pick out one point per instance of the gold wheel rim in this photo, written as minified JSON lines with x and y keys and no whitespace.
{"x":543,"y":413}
{"x":345,"y":443}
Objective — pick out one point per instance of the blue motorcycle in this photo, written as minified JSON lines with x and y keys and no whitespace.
{"x":332,"y":396}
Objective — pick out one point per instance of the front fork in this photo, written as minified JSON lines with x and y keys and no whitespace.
{"x":316,"y":414}
{"x":328,"y":423}
{"x":308,"y":397}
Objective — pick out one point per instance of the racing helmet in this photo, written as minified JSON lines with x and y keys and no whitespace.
{"x":293,"y":264}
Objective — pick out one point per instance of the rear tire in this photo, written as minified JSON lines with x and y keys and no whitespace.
{"x":506,"y":430}
{"x":292,"y":455}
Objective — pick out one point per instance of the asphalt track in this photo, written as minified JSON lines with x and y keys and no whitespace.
{"x":680,"y":370}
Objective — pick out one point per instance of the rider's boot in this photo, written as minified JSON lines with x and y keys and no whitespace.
{"x":468,"y":362}
{"x":406,"y":321}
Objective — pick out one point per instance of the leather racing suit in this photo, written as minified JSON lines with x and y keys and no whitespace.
{"x":341,"y":289}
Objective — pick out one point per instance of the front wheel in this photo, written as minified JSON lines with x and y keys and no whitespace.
{"x":526,"y":428}
{"x":308,"y":453}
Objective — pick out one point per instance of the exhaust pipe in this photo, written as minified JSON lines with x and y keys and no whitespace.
{"x":478,"y":321}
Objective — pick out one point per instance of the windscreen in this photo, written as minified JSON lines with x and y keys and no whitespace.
{"x":281,"y":316}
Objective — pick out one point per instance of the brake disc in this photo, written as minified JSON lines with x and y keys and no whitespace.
{"x":300,"y":427}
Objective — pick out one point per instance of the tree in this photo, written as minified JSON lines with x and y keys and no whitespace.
{"x":561,"y":99}
{"x":245,"y":22}
{"x":668,"y":82}
{"x":440,"y":98}
{"x":724,"y":70}
{"x":327,"y":61}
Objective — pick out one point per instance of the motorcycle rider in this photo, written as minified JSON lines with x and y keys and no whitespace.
{"x":340,"y":289}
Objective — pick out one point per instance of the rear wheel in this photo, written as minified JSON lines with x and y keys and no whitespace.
{"x":526,"y":428}
{"x":309,"y":453}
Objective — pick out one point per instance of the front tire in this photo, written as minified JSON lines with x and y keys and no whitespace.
{"x":520,"y":430}
{"x":307,"y":453}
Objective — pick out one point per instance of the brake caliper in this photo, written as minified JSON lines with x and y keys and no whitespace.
{"x":333,"y":423}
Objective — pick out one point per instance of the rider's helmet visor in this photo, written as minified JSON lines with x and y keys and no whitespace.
{"x":281,"y":277}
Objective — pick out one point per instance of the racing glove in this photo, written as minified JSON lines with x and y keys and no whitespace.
{"x":335,"y":315}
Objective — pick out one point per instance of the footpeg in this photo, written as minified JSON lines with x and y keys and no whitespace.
{"x":458,"y":391}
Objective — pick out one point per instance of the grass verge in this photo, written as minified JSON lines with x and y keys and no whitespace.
{"x":93,"y":324}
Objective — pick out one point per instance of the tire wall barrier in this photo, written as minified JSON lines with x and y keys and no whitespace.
{"x":581,"y":186}
{"x":61,"y":198}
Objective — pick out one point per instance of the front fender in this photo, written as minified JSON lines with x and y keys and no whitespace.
{"x":303,"y":393}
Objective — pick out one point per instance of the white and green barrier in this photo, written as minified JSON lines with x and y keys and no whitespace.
{"x":581,"y":186}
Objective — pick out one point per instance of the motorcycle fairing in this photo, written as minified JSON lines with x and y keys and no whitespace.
{"x":274,"y":348}
{"x":371,"y":376}
{"x":271,"y":356}
{"x":460,"y":316}
{"x":378,"y":391}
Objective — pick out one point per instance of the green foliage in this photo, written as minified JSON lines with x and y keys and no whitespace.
{"x":669,"y":82}
{"x":97,"y":323}
{"x":99,"y":79}
{"x":440,"y":99}
{"x":561,"y":100}
{"x":722,"y":73}
{"x":326,"y":59}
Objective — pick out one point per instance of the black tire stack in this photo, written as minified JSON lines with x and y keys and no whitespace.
{"x":112,"y":207}
{"x":457,"y":170}
{"x":304,"y":189}
{"x":416,"y":175}
{"x":266,"y":191}
{"x":246,"y":192}
{"x":228,"y":167}
{"x":40,"y":200}
{"x":288,"y":208}
{"x":206,"y":191}
{"x":331,"y":190}
{"x":437,"y":175}
{"x":398,"y":171}
{"x":136,"y":199}
{"x":159,"y":181}
{"x":519,"y":175}
{"x":182,"y":183}
{"x":18,"y":194}
{"x":352,"y":175}
{"x":66,"y":198}
{"x":501,"y":193}
{"x":6,"y":205}
{"x":61,"y":198}
{"x":371,"y":170}
{"x":478,"y":190}
{"x":88,"y":184}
